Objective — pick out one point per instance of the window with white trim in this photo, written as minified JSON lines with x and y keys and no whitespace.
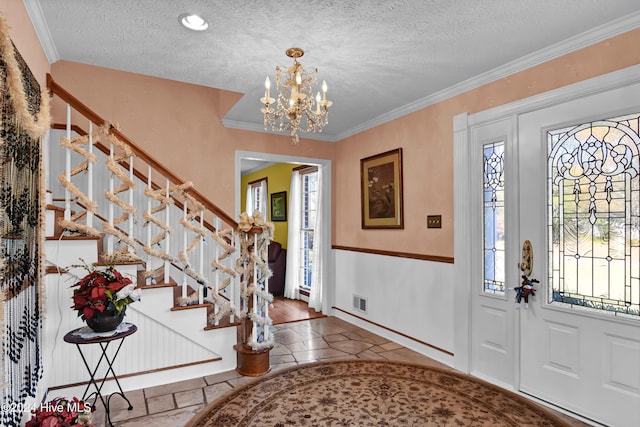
{"x":257,"y":197}
{"x":309,"y":187}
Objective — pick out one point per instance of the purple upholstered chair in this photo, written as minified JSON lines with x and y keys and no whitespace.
{"x":277,"y":258}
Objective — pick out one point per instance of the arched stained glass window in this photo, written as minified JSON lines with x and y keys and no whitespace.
{"x":594,"y":215}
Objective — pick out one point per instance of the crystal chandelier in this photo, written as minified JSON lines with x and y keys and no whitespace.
{"x":296,"y":109}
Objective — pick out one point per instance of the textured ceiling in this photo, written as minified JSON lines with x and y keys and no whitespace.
{"x":378,"y":57}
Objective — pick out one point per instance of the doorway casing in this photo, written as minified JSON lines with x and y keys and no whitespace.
{"x":328,"y":297}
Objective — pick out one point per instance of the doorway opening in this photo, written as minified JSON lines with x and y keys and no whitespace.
{"x":248,"y":169}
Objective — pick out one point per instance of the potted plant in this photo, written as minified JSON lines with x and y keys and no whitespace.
{"x":101,"y":297}
{"x":61,"y":412}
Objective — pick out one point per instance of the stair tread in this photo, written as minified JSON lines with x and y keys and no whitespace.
{"x":132,"y":262}
{"x":54,"y":207}
{"x":157,"y":285}
{"x":189,"y":307}
{"x":224,"y":323}
{"x":65,"y":237}
{"x":54,"y":269}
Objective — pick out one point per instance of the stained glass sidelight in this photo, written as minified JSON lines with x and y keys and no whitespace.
{"x":493,"y":215}
{"x":594,"y":215}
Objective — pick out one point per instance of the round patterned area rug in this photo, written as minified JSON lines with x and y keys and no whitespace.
{"x":371,"y":393}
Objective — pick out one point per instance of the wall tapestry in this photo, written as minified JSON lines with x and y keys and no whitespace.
{"x":24,"y":120}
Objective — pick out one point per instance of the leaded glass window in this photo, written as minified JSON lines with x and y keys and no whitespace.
{"x":493,"y":215}
{"x":594,"y":212}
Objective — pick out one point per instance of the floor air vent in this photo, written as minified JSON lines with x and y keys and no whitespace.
{"x":360,"y":303}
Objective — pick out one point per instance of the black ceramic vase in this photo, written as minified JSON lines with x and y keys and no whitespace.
{"x":106,"y":321}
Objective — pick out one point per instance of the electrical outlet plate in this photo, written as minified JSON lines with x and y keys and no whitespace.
{"x":434,"y":221}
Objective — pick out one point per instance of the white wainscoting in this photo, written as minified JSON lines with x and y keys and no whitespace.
{"x":409,"y":296}
{"x":152,"y":348}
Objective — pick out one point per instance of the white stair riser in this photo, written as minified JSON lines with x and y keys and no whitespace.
{"x":65,"y":253}
{"x":50,"y":223}
{"x":189,"y":323}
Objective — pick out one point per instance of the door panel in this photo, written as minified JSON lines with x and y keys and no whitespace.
{"x":493,"y":349}
{"x":586,"y":361}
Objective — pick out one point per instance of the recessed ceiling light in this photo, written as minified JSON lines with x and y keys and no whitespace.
{"x":193,"y":22}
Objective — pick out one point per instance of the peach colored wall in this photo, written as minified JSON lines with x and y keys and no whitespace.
{"x":179,"y":124}
{"x":426,"y":137}
{"x":25,"y":39}
{"x":161,"y":115}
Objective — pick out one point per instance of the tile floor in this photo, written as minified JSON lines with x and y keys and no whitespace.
{"x":172,"y":405}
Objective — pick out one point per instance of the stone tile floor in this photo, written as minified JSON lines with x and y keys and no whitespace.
{"x":174,"y":404}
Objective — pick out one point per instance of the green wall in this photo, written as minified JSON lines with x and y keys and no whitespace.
{"x":278,"y":179}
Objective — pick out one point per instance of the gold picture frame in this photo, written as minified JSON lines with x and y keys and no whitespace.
{"x":381,"y":190}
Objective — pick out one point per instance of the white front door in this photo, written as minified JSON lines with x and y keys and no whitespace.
{"x":579,"y":205}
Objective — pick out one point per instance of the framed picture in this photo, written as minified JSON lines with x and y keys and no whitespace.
{"x":381,"y":190}
{"x":279,"y":206}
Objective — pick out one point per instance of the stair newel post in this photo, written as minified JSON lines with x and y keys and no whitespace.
{"x":167,"y":265}
{"x":90,"y":177}
{"x":254,"y":344}
{"x":201,"y":261}
{"x":149,"y":256}
{"x":67,"y":169}
{"x":130,"y":248}
{"x":110,"y":242}
{"x":184,"y":248}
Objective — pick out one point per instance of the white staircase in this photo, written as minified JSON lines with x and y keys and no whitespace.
{"x":173,"y":342}
{"x":167,"y":347}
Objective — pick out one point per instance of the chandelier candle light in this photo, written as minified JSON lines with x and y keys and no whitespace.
{"x":295,"y":110}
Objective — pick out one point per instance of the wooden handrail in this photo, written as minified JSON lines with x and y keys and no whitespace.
{"x":59,"y":91}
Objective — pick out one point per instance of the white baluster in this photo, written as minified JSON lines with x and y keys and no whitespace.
{"x":67,"y":169}
{"x":111,"y":186}
{"x":216,"y":274}
{"x":131,"y":249}
{"x":46,"y":161}
{"x":149,"y":225}
{"x":201,"y":262}
{"x":167,"y":242}
{"x":234,"y":287}
{"x":184,"y":248}
{"x":90,"y":176}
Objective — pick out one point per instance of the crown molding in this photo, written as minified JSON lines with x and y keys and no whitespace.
{"x":572,"y":44}
{"x":236,"y":124}
{"x":42,"y":29}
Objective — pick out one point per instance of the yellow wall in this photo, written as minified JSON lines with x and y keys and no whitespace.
{"x":278,"y":179}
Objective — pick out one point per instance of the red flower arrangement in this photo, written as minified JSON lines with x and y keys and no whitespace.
{"x":105,"y":289}
{"x":61,"y":412}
